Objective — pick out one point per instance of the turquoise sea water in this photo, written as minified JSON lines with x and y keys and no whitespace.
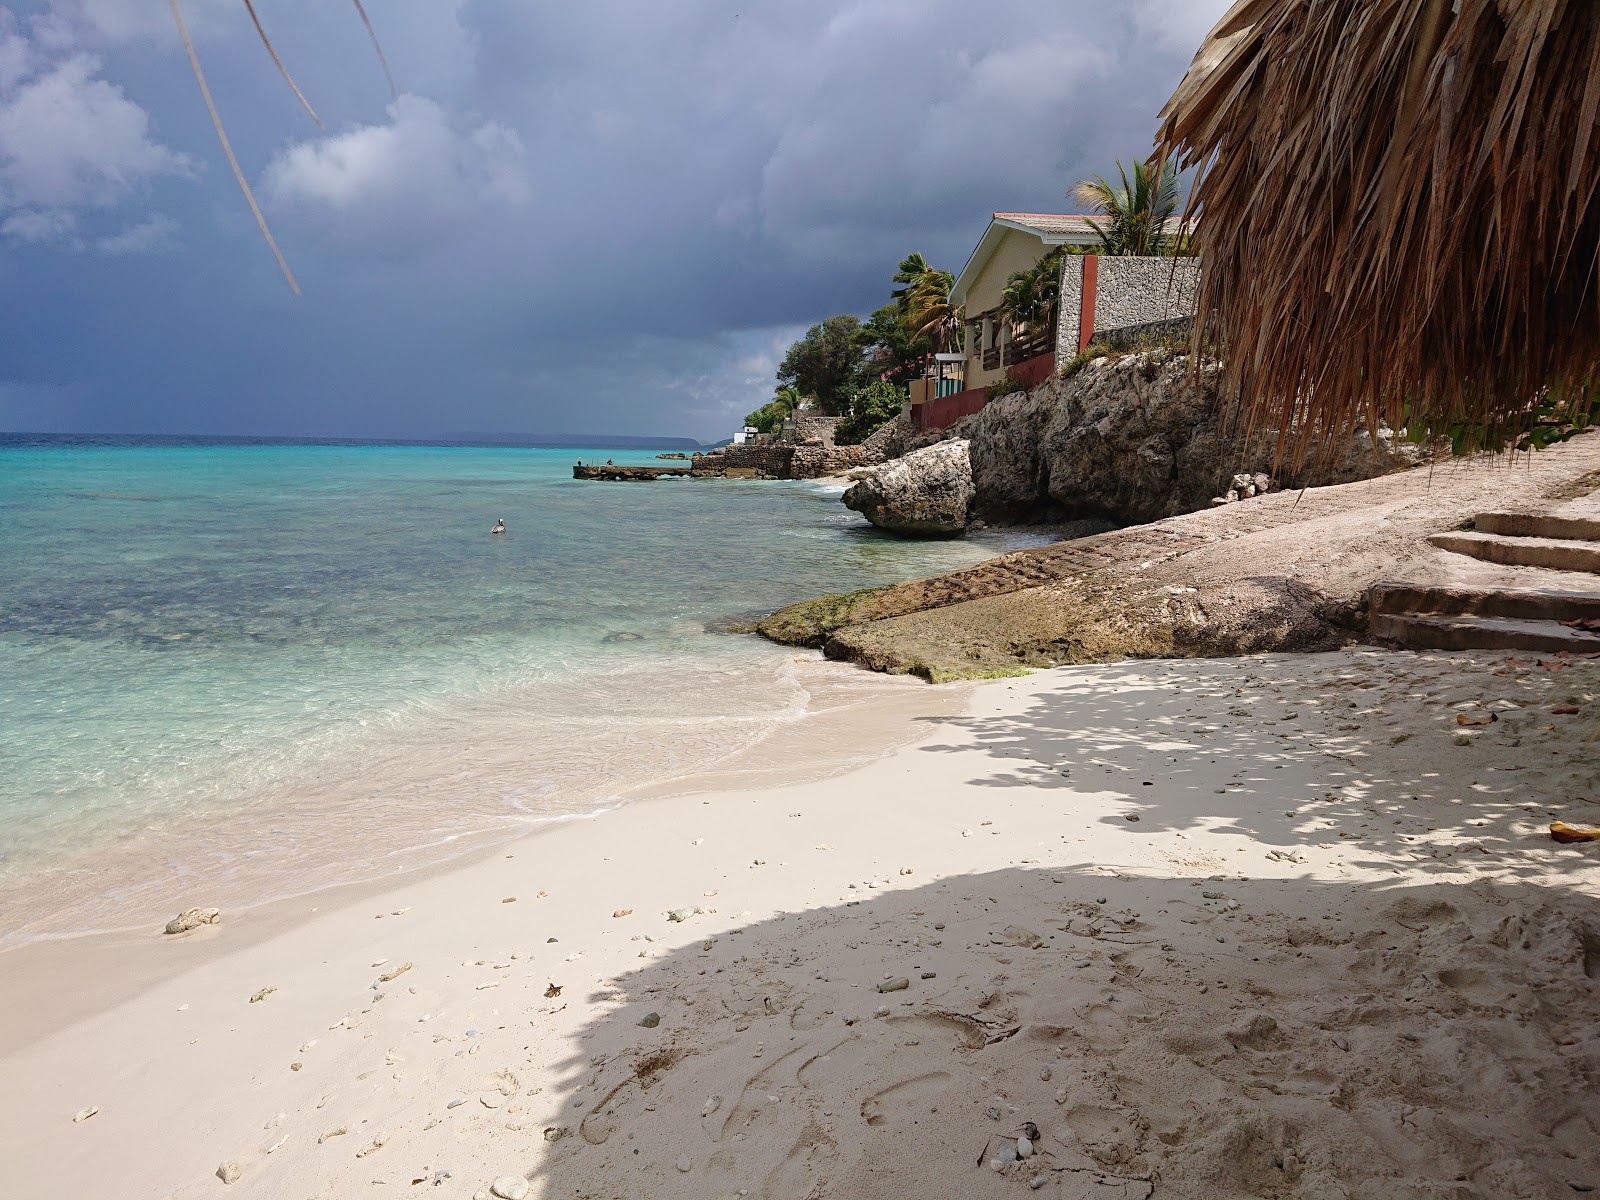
{"x":219,"y":655}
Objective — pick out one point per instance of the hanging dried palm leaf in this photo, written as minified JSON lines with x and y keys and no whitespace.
{"x":1398,"y":213}
{"x":222,"y":134}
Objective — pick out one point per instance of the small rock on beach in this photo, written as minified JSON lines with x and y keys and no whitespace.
{"x":193,"y":918}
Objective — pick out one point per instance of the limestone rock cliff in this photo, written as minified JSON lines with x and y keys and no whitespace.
{"x":1135,"y":439}
{"x":927,"y":493}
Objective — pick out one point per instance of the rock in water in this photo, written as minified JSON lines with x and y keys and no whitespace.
{"x":926,"y":493}
{"x":510,"y":1187}
{"x":193,"y":918}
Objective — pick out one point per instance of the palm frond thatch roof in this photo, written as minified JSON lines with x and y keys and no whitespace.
{"x":1398,"y":210}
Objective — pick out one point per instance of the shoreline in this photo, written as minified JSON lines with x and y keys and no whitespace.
{"x":966,"y":860}
{"x":816,"y":746}
{"x":1286,"y":571}
{"x":287,"y":848}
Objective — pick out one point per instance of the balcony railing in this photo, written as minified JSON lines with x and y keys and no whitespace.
{"x":991,"y":359}
{"x":1022,"y":350}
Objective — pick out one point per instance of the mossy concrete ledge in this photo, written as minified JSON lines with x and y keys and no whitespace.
{"x":811,"y":622}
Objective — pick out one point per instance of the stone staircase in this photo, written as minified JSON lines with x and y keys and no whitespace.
{"x":1476,"y":617}
{"x":1529,"y":540}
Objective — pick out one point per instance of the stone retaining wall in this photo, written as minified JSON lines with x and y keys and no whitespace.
{"x":1126,"y":294}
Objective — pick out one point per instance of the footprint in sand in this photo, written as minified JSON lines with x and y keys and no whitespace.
{"x":895,"y":1105}
{"x":602,"y":1120}
{"x":753,"y":1097}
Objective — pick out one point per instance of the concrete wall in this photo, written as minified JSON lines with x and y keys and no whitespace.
{"x":1130,"y":294}
{"x":1069,"y":308}
{"x":1144,"y":291}
{"x":802,"y":427}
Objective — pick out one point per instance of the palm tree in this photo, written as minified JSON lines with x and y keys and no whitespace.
{"x":912,"y":268}
{"x":928,"y":309}
{"x":1031,"y":297}
{"x":1136,"y":214}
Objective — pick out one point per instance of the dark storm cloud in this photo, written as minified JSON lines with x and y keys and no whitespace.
{"x":609,"y":216}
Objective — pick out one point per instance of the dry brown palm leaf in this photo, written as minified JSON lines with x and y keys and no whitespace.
{"x":376,"y":45}
{"x":227,"y":147}
{"x":1400,"y":213}
{"x":250,"y":8}
{"x":222,"y":134}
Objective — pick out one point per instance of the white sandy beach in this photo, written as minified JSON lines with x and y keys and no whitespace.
{"x":1253,"y":927}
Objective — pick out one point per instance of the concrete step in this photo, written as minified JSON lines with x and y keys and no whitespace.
{"x":1538,"y":525}
{"x":1554,"y":553}
{"x":1423,"y":632}
{"x":1527,"y":604}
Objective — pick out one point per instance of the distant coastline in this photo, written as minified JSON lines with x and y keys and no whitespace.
{"x":557,"y":441}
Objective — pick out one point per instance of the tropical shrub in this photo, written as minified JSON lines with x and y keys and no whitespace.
{"x":828,"y":363}
{"x":871,"y":408}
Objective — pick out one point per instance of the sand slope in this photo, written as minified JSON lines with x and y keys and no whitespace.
{"x":1334,"y":955}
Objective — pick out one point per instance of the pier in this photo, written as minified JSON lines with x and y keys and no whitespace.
{"x":611,"y":474}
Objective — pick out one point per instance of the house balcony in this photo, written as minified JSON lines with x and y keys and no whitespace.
{"x":1021,"y":350}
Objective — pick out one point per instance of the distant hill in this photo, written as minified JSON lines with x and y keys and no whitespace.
{"x":569,"y":441}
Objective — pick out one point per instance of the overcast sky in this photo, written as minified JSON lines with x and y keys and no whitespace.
{"x":609,"y":216}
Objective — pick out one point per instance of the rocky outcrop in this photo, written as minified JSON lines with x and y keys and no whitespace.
{"x":1290,"y":570}
{"x":1136,"y":438}
{"x":901,"y":436}
{"x":927,"y":493}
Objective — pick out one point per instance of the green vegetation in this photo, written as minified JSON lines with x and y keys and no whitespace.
{"x":871,"y":408}
{"x":809,"y":622}
{"x":772,"y":414}
{"x":859,"y":371}
{"x":1136,"y":213}
{"x":826,"y":364}
{"x":924,"y":304}
{"x":1031,"y":297}
{"x":893,"y":350}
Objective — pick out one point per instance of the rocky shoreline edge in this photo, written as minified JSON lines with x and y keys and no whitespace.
{"x":1288,"y":571}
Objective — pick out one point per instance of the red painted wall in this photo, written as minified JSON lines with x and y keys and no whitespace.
{"x":1034,"y":371}
{"x":947,"y":410}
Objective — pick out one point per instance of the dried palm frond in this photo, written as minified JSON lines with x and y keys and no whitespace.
{"x":278,"y":62}
{"x":378,"y":47}
{"x":227,"y":148}
{"x":222,"y":133}
{"x":1398,"y":213}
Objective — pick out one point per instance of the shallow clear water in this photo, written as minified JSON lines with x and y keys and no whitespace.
{"x":219,"y":654}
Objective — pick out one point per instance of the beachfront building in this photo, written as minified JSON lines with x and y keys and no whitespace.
{"x":1014,"y":242}
{"x":1098,"y":296}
